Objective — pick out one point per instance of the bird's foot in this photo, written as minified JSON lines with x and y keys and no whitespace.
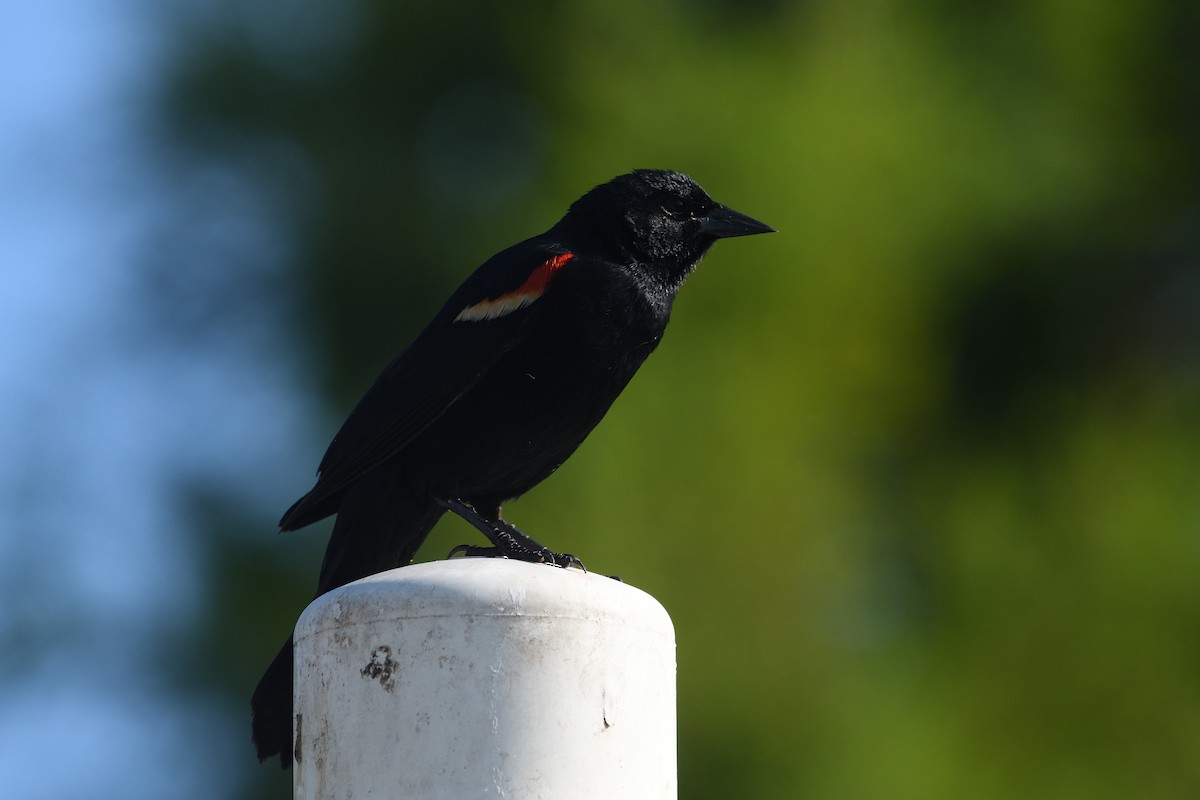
{"x":509,"y":540}
{"x":513,"y":549}
{"x":525,"y":548}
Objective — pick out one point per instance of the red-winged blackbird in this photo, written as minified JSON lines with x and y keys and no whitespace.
{"x":499,"y":389}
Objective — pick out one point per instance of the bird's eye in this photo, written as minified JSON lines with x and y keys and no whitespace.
{"x":675,"y":207}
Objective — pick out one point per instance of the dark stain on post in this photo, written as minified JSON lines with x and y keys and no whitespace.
{"x":381,"y":667}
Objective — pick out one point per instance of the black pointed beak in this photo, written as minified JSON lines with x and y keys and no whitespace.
{"x":722,"y":222}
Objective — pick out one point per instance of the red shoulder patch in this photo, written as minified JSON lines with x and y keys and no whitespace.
{"x":533,"y":288}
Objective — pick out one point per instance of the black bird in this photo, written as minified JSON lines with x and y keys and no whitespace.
{"x":499,"y":389}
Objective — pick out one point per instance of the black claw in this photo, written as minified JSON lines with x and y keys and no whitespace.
{"x":569,"y":560}
{"x":564,"y":560}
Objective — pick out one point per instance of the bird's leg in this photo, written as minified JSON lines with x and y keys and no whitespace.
{"x":507,"y":539}
{"x":482,"y":525}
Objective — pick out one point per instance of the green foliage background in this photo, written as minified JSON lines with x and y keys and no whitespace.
{"x":916,"y":477}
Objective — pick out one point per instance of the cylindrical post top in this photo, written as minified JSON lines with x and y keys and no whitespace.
{"x":484,"y":587}
{"x":485,"y":678}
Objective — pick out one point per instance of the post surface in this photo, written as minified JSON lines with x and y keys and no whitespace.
{"x":475,"y":678}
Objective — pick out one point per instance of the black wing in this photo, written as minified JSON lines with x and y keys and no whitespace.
{"x":442,"y":364}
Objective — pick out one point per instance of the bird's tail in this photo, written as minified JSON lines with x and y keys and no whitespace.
{"x":380,"y":525}
{"x":271,"y":709}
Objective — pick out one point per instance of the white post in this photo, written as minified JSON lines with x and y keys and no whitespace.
{"x":480,"y":677}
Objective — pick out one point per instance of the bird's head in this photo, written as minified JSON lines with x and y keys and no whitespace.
{"x":661,"y":219}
